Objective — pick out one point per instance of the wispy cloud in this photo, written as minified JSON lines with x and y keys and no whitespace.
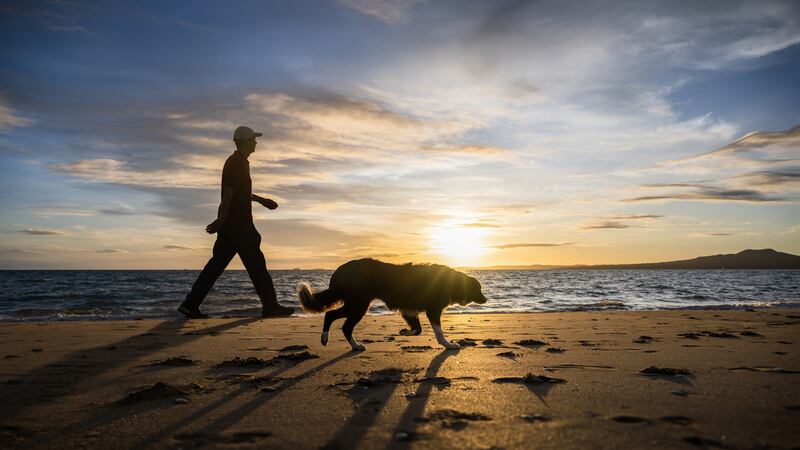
{"x":607,"y":225}
{"x":111,"y":250}
{"x":10,"y":119}
{"x":635,"y":216}
{"x":759,"y":167}
{"x":42,"y":232}
{"x":530,"y":244}
{"x":706,"y":193}
{"x":389,"y":11}
{"x":177,"y":247}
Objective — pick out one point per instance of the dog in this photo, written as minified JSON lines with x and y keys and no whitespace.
{"x":411,"y":288}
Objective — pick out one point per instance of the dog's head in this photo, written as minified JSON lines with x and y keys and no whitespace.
{"x":467,"y":290}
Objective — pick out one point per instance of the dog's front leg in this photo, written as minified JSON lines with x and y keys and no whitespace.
{"x":435,"y":318}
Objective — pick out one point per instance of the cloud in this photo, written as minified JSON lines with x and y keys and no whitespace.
{"x":77,"y":211}
{"x":711,"y":234}
{"x":481,"y":224}
{"x":709,"y":193}
{"x":177,"y":247}
{"x":608,"y":225}
{"x":42,"y":232}
{"x":9,"y":119}
{"x":759,"y":167}
{"x":635,"y":216}
{"x":111,"y":250}
{"x":389,"y":11}
{"x":530,"y":244}
{"x":756,"y":148}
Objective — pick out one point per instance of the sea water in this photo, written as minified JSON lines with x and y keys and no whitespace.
{"x":43,"y":295}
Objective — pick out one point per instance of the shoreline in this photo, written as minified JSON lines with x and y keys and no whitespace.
{"x":251,"y":382}
{"x":448,"y":312}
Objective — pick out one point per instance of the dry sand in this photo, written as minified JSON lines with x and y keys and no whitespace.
{"x":164,"y":384}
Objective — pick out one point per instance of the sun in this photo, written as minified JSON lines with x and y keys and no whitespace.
{"x":459,"y":245}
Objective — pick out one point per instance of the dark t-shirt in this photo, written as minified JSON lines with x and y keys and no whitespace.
{"x":236,"y":175}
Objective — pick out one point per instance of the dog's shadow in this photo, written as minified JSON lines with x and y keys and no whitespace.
{"x":353,"y":431}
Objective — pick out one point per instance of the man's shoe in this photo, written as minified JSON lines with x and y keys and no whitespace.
{"x":191,"y":313}
{"x":277,"y":311}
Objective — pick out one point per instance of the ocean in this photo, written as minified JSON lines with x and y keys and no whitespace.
{"x":43,"y":295}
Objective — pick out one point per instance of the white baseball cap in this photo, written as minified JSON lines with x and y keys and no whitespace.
{"x":244,"y":132}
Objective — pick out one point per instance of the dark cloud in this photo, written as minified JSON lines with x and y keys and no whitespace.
{"x":708,"y":193}
{"x":610,"y":225}
{"x":767,"y":178}
{"x":530,"y":244}
{"x":313,"y":236}
{"x":41,"y":232}
{"x":177,"y":247}
{"x":110,"y":250}
{"x":755,"y":141}
{"x":117,"y":211}
{"x":635,"y":216}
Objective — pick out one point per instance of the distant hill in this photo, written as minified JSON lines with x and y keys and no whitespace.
{"x":746,"y":259}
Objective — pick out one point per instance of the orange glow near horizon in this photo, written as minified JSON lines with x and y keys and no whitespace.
{"x":458,"y":245}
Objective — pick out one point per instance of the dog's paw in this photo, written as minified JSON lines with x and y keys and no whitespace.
{"x":323,"y":339}
{"x":359,"y":348}
{"x":407,"y":332}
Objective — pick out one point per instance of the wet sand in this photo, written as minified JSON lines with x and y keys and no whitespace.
{"x":665,"y":379}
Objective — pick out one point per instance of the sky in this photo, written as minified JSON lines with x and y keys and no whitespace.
{"x":468,"y":133}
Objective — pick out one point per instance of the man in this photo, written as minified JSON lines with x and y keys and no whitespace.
{"x":237,"y":234}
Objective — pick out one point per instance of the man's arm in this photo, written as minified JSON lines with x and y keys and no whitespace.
{"x":265,"y":202}
{"x":222,"y":211}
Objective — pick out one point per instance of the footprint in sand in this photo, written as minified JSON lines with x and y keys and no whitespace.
{"x":453,"y":419}
{"x":530,"y":343}
{"x":678,"y":420}
{"x":664,"y":371}
{"x":175,"y":361}
{"x":630,"y":419}
{"x":416,"y":348}
{"x":492,"y":342}
{"x":751,"y":334}
{"x":201,"y":439}
{"x":294,"y":348}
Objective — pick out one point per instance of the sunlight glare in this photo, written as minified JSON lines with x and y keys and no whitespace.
{"x":459,"y":245}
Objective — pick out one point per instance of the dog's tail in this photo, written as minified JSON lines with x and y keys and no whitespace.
{"x":316,"y":301}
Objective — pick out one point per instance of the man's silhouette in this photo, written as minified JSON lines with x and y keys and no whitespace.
{"x":237,"y":234}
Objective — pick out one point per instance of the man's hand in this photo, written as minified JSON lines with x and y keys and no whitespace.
{"x":214,"y":226}
{"x":268,"y":203}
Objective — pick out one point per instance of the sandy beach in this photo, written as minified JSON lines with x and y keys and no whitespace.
{"x":659,"y":379}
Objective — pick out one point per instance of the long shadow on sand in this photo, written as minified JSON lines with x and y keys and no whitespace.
{"x":54,"y":380}
{"x":416,"y":406}
{"x":222,"y":423}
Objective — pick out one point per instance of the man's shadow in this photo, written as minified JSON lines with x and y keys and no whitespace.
{"x":222,"y":423}
{"x":52,"y":381}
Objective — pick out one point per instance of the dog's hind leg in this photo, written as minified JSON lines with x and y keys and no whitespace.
{"x":435,"y":317}
{"x":414,"y":327}
{"x":330,"y":317}
{"x":354,"y":316}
